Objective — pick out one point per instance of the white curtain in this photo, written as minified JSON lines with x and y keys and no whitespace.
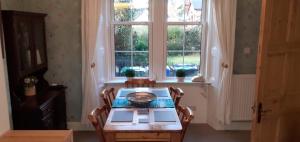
{"x":94,"y":42}
{"x":222,"y":20}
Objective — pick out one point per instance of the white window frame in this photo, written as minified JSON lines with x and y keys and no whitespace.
{"x":203,"y":25}
{"x":112,"y":44}
{"x":157,"y":30}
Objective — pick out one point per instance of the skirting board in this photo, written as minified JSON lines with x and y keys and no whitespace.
{"x":235,"y":125}
{"x":243,"y":125}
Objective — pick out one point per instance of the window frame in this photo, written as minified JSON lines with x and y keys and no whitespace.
{"x":203,"y":25}
{"x":157,"y":28}
{"x":112,"y":38}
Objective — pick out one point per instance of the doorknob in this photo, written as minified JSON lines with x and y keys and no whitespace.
{"x":260,"y":112}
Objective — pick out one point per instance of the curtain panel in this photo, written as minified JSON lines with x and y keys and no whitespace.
{"x":221,"y":39}
{"x":93,"y":27}
{"x":224,"y":15}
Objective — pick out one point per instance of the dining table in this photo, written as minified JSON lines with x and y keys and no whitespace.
{"x":155,"y":121}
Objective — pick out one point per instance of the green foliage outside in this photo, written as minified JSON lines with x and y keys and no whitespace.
{"x":135,"y":38}
{"x":189,"y":59}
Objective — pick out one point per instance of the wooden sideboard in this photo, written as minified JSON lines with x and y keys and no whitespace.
{"x":42,"y":112}
{"x":26,"y":55}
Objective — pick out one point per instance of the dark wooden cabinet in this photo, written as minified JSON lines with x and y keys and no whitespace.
{"x":26,"y":54}
{"x":43,"y":111}
{"x":25,"y":39}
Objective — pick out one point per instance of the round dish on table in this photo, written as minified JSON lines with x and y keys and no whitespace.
{"x":141,"y":98}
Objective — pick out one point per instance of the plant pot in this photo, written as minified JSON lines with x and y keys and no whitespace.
{"x":129,"y":78}
{"x":180,"y":79}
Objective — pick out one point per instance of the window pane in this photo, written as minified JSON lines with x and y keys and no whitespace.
{"x":191,"y":63}
{"x":175,"y":37}
{"x":138,"y":61}
{"x":122,"y":62}
{"x":140,"y":38}
{"x":131,"y":10}
{"x":174,"y":60}
{"x":192,"y":37}
{"x":131,"y":47}
{"x":141,"y":64}
{"x":184,"y":10}
{"x":122,"y":40}
{"x":183,"y":56}
{"x":188,"y":34}
{"x":176,"y":10}
{"x":131,"y":38}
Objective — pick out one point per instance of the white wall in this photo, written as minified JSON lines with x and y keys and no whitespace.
{"x":195,"y":96}
{"x":5,"y":117}
{"x":4,"y":99}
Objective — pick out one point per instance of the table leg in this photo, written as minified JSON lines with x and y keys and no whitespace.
{"x":175,"y":137}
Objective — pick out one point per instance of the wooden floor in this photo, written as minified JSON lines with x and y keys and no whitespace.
{"x":195,"y":133}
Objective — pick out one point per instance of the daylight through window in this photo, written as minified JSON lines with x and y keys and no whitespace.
{"x":131,"y":29}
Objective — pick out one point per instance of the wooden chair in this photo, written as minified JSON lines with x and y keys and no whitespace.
{"x":108,"y":96}
{"x":176,"y":94}
{"x":98,"y":118}
{"x":185,"y":115}
{"x":140,"y":83}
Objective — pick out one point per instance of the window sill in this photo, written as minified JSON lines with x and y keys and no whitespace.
{"x":172,"y":81}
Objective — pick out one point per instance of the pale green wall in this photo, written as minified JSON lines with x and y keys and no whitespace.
{"x":12,"y":4}
{"x":63,"y":27}
{"x":247,"y":29}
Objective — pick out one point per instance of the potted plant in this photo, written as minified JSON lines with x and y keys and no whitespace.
{"x":129,"y":73}
{"x":180,"y":74}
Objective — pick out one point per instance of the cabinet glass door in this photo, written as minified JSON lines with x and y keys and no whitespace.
{"x":39,"y":42}
{"x":23,"y":41}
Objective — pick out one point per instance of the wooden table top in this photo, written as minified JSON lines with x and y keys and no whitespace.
{"x":135,"y":125}
{"x":37,"y":136}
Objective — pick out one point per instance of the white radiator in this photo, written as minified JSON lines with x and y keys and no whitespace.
{"x":243,"y":89}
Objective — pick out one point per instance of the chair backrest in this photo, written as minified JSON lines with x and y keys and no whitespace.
{"x":98,"y":118}
{"x":140,"y":83}
{"x":108,"y":96}
{"x":185,"y":115}
{"x":176,"y":94}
